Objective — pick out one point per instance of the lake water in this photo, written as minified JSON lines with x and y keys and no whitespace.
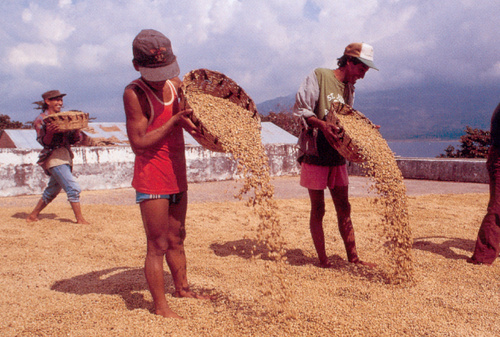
{"x":421,"y":148}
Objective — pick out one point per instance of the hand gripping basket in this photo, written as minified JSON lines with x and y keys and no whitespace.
{"x":346,"y":145}
{"x":68,"y":120}
{"x":204,"y":81}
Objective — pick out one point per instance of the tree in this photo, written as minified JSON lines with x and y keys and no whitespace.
{"x":6,"y":123}
{"x":474,"y":144}
{"x":285,"y":120}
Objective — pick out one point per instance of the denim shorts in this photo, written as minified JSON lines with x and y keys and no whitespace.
{"x":61,"y":178}
{"x":173,"y":198}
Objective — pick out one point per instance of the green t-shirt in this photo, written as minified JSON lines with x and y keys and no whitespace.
{"x":330,"y":90}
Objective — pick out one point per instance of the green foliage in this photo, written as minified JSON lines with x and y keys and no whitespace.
{"x":474,"y":144}
{"x":285,"y":120}
{"x":6,"y":123}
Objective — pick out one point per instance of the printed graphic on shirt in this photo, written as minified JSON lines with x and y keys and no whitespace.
{"x":331,"y":98}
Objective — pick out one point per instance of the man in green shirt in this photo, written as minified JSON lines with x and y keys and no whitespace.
{"x":321,"y":165}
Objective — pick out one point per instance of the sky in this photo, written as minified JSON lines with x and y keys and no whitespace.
{"x":84,"y":47}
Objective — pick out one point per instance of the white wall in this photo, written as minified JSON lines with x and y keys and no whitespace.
{"x":112,"y":167}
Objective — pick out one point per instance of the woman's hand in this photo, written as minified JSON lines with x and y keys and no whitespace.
{"x":52,"y":128}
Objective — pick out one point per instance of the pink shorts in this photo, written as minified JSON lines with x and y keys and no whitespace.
{"x":316,"y":177}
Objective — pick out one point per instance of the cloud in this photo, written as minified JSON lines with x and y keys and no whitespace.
{"x":49,"y":30}
{"x":493,"y":72}
{"x":267,"y":46}
{"x":48,"y":25}
{"x":26,"y":54}
{"x":90,"y":57}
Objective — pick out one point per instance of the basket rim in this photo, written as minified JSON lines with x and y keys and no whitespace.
{"x":189,"y":79}
{"x":67,"y":113}
{"x":349,"y":150}
{"x":193,"y":79}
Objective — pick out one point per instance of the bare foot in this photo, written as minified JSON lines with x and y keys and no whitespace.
{"x":82,"y":222}
{"x":31,"y":218}
{"x":325,"y":264}
{"x":190,"y":294}
{"x":363,"y":263}
{"x":168,"y":313}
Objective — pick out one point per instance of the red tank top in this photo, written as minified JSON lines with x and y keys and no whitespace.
{"x":161,"y":169}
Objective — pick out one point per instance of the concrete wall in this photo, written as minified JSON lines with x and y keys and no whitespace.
{"x":442,"y":169}
{"x":112,"y":167}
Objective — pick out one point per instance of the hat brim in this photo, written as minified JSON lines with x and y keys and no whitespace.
{"x":55,"y":95}
{"x":369,"y":63}
{"x":159,"y":74}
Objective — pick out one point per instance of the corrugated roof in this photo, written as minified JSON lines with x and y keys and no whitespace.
{"x":23,"y":138}
{"x":273,"y":134}
{"x":26,"y":138}
{"x":117,"y":131}
{"x":270,"y":133}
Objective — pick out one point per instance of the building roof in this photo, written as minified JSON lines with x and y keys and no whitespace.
{"x":270,"y":133}
{"x":116,"y":134}
{"x":19,"y":138}
{"x":273,"y":134}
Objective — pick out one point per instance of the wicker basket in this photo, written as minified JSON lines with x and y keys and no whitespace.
{"x":204,"y":81}
{"x":346,"y":146}
{"x":68,"y":120}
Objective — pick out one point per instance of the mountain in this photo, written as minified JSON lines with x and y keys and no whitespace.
{"x":278,"y":104}
{"x":439,"y":111}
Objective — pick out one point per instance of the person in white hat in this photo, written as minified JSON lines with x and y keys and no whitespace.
{"x":154,"y":126}
{"x":321,"y":165}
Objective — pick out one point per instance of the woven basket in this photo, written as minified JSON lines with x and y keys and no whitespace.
{"x":209,"y":82}
{"x":68,"y":120}
{"x":346,"y":145}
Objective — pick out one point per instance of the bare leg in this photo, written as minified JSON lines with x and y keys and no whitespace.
{"x":317,"y":198}
{"x":340,"y":196}
{"x":176,"y":255}
{"x":165,"y":231}
{"x":36,"y":211}
{"x":155,"y":215}
{"x":78,"y":213}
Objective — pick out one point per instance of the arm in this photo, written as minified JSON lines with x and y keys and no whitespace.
{"x":137,"y":122}
{"x":186,"y":122}
{"x":306,"y":98}
{"x":45,"y":132}
{"x":330,"y":131}
{"x":305,"y":105}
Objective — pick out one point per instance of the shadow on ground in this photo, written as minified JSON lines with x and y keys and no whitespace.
{"x":247,"y":249}
{"x":444,"y":246}
{"x":43,"y":216}
{"x":123,"y":281}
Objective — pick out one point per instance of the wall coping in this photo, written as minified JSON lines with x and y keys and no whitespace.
{"x":109,"y":167}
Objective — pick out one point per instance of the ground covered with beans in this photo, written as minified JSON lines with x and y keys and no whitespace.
{"x":63,"y":279}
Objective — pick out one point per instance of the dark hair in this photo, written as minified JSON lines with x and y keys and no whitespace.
{"x":342,"y":61}
{"x":41,"y":105}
